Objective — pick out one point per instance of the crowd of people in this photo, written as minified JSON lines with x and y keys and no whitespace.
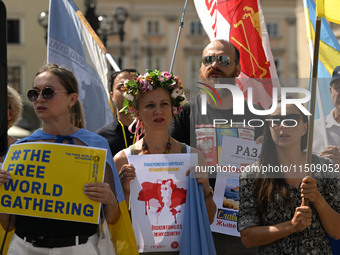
{"x":153,"y":117}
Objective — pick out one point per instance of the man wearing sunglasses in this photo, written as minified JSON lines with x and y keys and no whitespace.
{"x":220,"y":64}
{"x":116,"y":132}
{"x":332,"y":124}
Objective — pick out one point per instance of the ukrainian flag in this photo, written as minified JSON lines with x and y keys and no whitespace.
{"x":329,"y":54}
{"x":329,"y":57}
{"x":330,"y":9}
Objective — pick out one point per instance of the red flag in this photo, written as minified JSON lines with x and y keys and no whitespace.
{"x":242,"y":23}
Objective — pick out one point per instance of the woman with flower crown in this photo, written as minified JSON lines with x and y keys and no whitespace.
{"x":153,"y":99}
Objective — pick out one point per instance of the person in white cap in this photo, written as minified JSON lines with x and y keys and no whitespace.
{"x":332,"y":124}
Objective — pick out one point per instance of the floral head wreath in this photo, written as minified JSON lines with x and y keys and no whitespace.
{"x":147,"y":82}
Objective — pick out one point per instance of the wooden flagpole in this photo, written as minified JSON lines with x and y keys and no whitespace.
{"x":312,"y":102}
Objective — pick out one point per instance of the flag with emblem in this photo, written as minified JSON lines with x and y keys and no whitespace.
{"x":73,"y":44}
{"x":242,"y":23}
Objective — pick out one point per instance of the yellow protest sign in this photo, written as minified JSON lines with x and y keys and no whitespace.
{"x":48,"y":180}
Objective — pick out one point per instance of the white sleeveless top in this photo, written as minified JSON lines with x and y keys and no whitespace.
{"x":128,"y":152}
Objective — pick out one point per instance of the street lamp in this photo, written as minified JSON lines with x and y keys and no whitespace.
{"x":120,"y":15}
{"x":43,"y":21}
{"x":102,"y":25}
{"x":90,"y":14}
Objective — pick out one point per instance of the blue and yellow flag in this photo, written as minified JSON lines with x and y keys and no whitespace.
{"x":329,"y":57}
{"x":329,"y":9}
{"x":329,"y":54}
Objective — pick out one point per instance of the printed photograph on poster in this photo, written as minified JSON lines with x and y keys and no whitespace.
{"x":206,"y":143}
{"x":236,"y":153}
{"x":158,"y":196}
{"x":231,"y":194}
{"x":226,"y":198}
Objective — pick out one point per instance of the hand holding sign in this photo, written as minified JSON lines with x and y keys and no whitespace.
{"x":47,"y":180}
{"x":126,"y":174}
{"x":4,"y":176}
{"x":100,"y":192}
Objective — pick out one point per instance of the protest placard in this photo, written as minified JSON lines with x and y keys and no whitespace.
{"x":47,"y":180}
{"x":236,"y":153}
{"x":158,"y":195}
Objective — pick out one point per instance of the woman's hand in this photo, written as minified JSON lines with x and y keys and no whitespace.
{"x":201,"y":178}
{"x":309,"y":190}
{"x":302,"y":218}
{"x":126,"y":174}
{"x":100,"y":192}
{"x":4,"y":176}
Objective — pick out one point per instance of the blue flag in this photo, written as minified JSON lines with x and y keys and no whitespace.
{"x":196,"y":237}
{"x":73,"y":44}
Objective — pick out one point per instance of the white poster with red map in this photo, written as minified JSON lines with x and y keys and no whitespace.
{"x":158,"y":195}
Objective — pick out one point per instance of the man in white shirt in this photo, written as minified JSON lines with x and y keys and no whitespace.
{"x":332,"y":124}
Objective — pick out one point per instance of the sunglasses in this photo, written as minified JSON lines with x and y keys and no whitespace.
{"x":290,"y":120}
{"x":222,"y":60}
{"x":47,"y":94}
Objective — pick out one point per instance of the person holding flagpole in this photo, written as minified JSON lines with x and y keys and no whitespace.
{"x":55,"y":99}
{"x":116,"y":132}
{"x":272,"y":215}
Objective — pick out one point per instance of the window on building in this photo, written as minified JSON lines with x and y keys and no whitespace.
{"x":196,"y":28}
{"x":153,"y":27}
{"x":154,"y":62}
{"x":14,"y":77}
{"x":13,"y":31}
{"x":273,"y":29}
{"x":278,"y":66}
{"x":194,"y":64}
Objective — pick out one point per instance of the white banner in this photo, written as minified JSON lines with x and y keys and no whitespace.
{"x":158,"y":196}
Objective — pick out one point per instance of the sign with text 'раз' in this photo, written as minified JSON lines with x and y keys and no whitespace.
{"x":48,"y":180}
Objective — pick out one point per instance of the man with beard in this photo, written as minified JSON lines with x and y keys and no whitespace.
{"x":220,"y":64}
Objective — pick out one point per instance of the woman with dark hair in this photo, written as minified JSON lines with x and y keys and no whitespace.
{"x":55,"y":98}
{"x":272,"y":215}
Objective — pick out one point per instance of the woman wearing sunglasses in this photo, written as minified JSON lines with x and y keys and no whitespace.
{"x":55,"y":99}
{"x":272,"y":215}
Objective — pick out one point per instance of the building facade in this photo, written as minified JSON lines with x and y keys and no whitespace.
{"x":150,"y":37}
